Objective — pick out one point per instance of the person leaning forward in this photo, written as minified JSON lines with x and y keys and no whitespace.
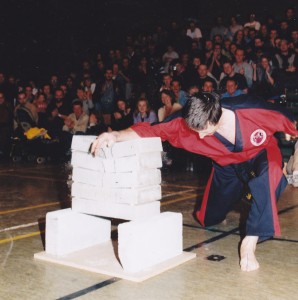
{"x":238,"y":135}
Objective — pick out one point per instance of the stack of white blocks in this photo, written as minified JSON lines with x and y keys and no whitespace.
{"x":121,"y":182}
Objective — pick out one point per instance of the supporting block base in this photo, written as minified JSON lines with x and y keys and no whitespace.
{"x":101,"y":259}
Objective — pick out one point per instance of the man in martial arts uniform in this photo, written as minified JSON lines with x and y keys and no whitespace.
{"x":238,"y":135}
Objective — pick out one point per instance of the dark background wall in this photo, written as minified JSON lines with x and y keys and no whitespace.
{"x":38,"y":36}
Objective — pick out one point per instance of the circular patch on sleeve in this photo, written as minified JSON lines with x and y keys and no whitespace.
{"x":258,"y":137}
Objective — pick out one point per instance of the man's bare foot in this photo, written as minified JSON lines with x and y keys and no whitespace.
{"x":248,"y":261}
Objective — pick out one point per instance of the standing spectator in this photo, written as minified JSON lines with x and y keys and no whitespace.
{"x":143,"y":112}
{"x":242,"y":67}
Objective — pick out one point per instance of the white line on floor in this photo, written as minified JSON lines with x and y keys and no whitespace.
{"x":19,"y":226}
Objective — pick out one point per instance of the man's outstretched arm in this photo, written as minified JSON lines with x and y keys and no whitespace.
{"x":108,"y":139}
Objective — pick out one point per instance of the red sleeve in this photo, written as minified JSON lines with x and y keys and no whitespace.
{"x":178,"y":134}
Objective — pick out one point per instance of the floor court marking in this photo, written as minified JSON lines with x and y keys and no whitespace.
{"x":35,"y":177}
{"x":90,"y":289}
{"x":20,"y":226}
{"x":21,"y":237}
{"x":6,"y":212}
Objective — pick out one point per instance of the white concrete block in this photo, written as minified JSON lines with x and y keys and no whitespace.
{"x":88,"y":161}
{"x":132,"y":147}
{"x":68,"y":231}
{"x":116,"y":210}
{"x":82,"y":142}
{"x":144,"y":177}
{"x":151,"y":160}
{"x":121,"y":195}
{"x":145,"y":243}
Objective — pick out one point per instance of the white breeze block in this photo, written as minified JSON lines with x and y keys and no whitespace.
{"x":82,"y":142}
{"x":121,"y":195}
{"x":120,"y":149}
{"x":132,"y":147}
{"x":145,"y":243}
{"x":116,"y":210}
{"x":139,"y":178}
{"x":151,"y":160}
{"x":68,"y":231}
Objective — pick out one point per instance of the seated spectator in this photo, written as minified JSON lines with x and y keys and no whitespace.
{"x":143,"y":112}
{"x":265,"y":79}
{"x":169,"y":105}
{"x":230,"y":74}
{"x":219,"y":29}
{"x":216,"y":61}
{"x":242,"y":67}
{"x":6,"y":122}
{"x":292,"y":167}
{"x":166,"y":82}
{"x":253,"y":23}
{"x":194,"y":32}
{"x":61,"y":103}
{"x":86,"y":99}
{"x":26,"y":115}
{"x":168,"y":57}
{"x":96,"y":124}
{"x":208,"y":86}
{"x":231,"y":89}
{"x":76,"y":122}
{"x":122,"y":117}
{"x":180,"y":95}
{"x":41,"y":106}
{"x":234,"y":27}
{"x":54,"y":123}
{"x":192,"y":90}
{"x":203,"y":75}
{"x":30,"y":92}
{"x":286,"y":59}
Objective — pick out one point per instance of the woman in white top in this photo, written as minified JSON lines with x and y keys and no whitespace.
{"x":169,"y":105}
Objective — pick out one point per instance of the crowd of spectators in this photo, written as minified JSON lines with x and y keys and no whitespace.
{"x":150,"y":76}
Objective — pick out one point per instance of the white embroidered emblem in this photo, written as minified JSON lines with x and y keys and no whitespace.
{"x":258,"y":137}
